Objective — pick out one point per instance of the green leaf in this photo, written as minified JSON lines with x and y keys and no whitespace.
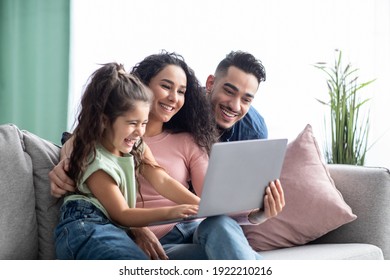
{"x":348,"y":139}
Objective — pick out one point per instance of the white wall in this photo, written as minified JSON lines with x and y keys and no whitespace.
{"x":288,"y":36}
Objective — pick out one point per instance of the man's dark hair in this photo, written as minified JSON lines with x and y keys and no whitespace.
{"x":244,"y":61}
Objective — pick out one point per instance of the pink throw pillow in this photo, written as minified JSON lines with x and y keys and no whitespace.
{"x":313,"y":204}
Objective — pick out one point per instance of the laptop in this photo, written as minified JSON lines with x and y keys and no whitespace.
{"x":237,"y":175}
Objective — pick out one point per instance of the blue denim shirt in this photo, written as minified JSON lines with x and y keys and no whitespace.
{"x":252,"y":126}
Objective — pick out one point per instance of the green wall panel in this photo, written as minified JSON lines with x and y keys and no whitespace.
{"x":34,"y":65}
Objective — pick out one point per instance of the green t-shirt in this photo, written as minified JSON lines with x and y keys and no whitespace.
{"x":121,"y":169}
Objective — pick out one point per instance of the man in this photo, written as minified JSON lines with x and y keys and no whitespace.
{"x":231,"y":91}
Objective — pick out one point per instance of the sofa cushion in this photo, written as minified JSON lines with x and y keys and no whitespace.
{"x":367,"y":190}
{"x":313,"y":204}
{"x":18,"y":223}
{"x":28,"y":212}
{"x":44,"y":156}
{"x":343,"y":251}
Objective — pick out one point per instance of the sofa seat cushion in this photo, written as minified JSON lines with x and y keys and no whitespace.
{"x":342,"y":251}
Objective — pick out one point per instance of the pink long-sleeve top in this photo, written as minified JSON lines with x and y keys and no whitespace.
{"x":183,"y":159}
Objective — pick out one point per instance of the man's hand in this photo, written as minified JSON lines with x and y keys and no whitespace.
{"x":149,"y":243}
{"x":60,"y":183}
{"x":274,"y":199}
{"x":273,"y":203}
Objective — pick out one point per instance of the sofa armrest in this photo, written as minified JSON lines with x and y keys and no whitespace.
{"x":367,"y":191}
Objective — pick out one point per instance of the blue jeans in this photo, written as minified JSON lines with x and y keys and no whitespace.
{"x":85,"y":233}
{"x":215,"y":238}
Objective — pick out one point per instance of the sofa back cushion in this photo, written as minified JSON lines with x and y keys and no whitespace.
{"x":44,"y":156}
{"x":28,"y":213}
{"x":367,"y":190}
{"x":18,"y":224}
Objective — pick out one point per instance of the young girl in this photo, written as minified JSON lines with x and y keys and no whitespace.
{"x":107,"y":155}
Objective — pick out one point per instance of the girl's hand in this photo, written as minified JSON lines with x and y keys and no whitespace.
{"x":182,"y":211}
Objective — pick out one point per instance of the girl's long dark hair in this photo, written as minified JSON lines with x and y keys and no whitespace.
{"x":196,"y":116}
{"x":110,"y":93}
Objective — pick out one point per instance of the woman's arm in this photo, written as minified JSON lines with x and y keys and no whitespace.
{"x":165,"y":184}
{"x":104,"y":188}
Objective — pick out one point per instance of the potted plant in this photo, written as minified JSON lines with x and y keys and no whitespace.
{"x":349,"y":124}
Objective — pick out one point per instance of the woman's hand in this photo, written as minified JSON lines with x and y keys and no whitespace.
{"x":149,"y":243}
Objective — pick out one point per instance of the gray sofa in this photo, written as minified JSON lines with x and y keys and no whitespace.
{"x":28,"y":213}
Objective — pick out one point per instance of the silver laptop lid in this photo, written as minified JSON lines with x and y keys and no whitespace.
{"x":238,"y":174}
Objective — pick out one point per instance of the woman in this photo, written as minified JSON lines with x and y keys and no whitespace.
{"x":180,"y":132}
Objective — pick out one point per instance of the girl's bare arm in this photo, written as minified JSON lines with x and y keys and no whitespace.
{"x":107,"y":192}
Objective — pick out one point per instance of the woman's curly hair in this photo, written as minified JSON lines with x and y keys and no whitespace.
{"x":195,"y":117}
